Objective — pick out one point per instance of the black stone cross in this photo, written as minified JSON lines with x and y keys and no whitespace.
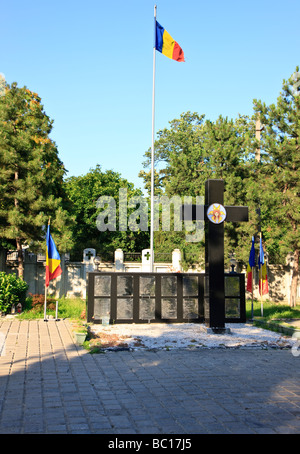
{"x":89,"y":255}
{"x":214,"y":213}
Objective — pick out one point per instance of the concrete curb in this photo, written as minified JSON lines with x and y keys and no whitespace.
{"x":283,"y":328}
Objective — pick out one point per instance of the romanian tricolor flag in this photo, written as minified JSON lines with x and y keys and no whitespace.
{"x":166,"y":45}
{"x":251,"y":264}
{"x":262,"y":271}
{"x":53,"y":268}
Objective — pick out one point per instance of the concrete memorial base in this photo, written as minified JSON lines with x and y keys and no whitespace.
{"x":216,"y":330}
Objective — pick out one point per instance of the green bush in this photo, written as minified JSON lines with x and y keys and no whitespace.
{"x":12,"y":291}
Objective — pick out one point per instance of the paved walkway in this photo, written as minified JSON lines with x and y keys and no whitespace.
{"x":50,"y":385}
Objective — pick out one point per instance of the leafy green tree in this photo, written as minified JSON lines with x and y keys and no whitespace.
{"x":193,"y":150}
{"x":178,"y":157}
{"x":278,"y":187}
{"x":83,"y":193}
{"x":31,"y":174}
{"x":178,"y":165}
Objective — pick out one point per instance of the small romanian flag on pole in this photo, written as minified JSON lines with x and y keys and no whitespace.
{"x":53,"y":268}
{"x":262,"y":271}
{"x":165,"y":44}
{"x":251,"y":264}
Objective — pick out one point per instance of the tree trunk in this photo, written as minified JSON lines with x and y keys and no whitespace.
{"x":295,"y":274}
{"x":20,"y":258}
{"x":2,"y":259}
{"x":18,"y":241}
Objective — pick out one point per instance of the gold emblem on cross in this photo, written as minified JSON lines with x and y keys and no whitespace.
{"x":216,"y":213}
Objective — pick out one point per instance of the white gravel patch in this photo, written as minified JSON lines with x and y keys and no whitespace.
{"x":193,"y":335}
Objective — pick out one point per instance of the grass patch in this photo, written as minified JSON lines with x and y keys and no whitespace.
{"x":272,"y":311}
{"x":72,"y":308}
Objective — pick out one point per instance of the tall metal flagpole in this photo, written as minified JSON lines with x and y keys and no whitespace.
{"x":258,"y":129}
{"x":260,"y":280}
{"x":45,"y":302}
{"x":152,"y":152}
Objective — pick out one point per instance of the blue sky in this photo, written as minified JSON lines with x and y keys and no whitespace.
{"x":91,"y":62}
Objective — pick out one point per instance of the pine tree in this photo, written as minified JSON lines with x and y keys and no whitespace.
{"x":279,"y":175}
{"x":31,"y":173}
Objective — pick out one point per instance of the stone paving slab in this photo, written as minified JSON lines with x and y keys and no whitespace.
{"x":50,"y":385}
